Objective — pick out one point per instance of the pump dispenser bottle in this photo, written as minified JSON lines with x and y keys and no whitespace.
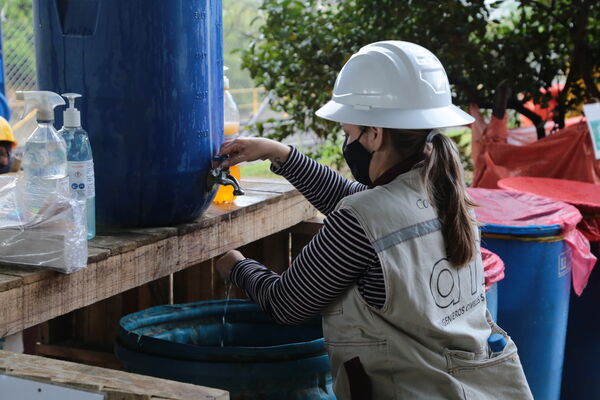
{"x":45,"y":154}
{"x":80,"y":162}
{"x":225,"y":194}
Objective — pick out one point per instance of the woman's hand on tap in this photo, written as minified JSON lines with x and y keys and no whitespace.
{"x":251,"y":149}
{"x":225,"y":264}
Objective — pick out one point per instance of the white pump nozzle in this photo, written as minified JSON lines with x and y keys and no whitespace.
{"x":43,"y":101}
{"x":72,"y":117}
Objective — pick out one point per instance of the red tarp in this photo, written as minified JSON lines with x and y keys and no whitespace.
{"x":566,"y":154}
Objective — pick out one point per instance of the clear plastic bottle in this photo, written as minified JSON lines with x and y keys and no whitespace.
{"x":80,"y":162}
{"x":45,"y":153}
{"x":231,"y":131}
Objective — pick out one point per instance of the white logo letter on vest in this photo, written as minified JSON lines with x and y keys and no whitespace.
{"x":444,"y":284}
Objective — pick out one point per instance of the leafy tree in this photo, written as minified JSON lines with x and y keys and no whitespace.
{"x":527,"y":46}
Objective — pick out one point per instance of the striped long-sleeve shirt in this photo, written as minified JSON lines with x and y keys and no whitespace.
{"x":338,"y":256}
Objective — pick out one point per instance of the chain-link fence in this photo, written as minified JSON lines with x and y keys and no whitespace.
{"x":18,"y":48}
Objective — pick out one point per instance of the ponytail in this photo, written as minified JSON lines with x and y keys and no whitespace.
{"x":445,"y":185}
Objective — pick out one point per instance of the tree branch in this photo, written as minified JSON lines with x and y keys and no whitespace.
{"x":533,"y":117}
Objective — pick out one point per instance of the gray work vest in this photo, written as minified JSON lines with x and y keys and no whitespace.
{"x":429,"y":340}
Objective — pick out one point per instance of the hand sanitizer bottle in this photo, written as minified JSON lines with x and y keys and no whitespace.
{"x":80,"y":162}
{"x":45,"y":154}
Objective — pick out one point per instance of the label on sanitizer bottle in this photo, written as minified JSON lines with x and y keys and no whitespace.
{"x":81,"y":178}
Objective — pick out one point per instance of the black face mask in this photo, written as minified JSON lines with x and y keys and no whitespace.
{"x":358,"y":159}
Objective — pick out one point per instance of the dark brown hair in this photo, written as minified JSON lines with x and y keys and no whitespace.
{"x":444,"y":181}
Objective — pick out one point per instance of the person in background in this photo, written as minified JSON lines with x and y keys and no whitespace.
{"x":396,"y":270}
{"x":7,"y":144}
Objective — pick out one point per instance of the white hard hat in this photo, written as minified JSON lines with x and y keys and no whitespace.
{"x":393,"y":84}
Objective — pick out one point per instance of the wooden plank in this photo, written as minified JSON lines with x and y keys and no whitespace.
{"x":194,"y":283}
{"x":242,"y":228}
{"x":272,"y":251}
{"x":96,"y":326}
{"x":11,"y":311}
{"x":117,"y":385}
{"x":27,"y":273}
{"x":47,"y":298}
{"x":8,"y":282}
{"x":309,"y":227}
{"x":276,"y":251}
{"x":154,"y":293}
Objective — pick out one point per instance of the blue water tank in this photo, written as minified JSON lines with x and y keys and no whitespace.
{"x":150,"y":72}
{"x":248,"y":355}
{"x":533,"y":299}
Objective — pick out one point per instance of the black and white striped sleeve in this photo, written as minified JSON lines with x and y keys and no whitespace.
{"x":332,"y":262}
{"x":322,"y":186}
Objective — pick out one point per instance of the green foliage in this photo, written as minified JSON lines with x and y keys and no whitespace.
{"x":238,"y":32}
{"x":258,"y":169}
{"x":532,"y":44}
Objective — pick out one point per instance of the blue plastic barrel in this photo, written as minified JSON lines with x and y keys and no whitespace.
{"x":4,"y":108}
{"x":259,"y":359}
{"x":491,"y":298}
{"x":581,"y":375}
{"x":151,"y":76}
{"x":533,"y":299}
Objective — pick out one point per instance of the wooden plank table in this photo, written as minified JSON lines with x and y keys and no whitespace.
{"x":115,"y":385}
{"x":122,"y":259}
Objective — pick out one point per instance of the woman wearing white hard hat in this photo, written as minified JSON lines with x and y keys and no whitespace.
{"x":396,"y":270}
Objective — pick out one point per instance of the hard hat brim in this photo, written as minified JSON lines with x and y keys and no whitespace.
{"x":431,"y":118}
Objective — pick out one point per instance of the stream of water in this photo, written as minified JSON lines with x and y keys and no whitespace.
{"x":223,"y":331}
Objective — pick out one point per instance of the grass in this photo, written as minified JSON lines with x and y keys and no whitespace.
{"x":258,"y":169}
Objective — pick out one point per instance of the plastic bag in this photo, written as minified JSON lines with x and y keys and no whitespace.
{"x":510,"y":208}
{"x":40,"y":227}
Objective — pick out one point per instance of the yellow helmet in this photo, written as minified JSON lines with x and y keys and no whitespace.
{"x":6,"y":133}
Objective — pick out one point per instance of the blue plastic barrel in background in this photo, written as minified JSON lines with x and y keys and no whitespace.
{"x":581,"y":375}
{"x":491,"y":298}
{"x":151,"y":76}
{"x":533,"y":299}
{"x":258,"y":359}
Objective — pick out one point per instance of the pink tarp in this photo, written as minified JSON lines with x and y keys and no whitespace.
{"x":493,"y":268}
{"x":584,"y":196}
{"x":510,"y":208}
